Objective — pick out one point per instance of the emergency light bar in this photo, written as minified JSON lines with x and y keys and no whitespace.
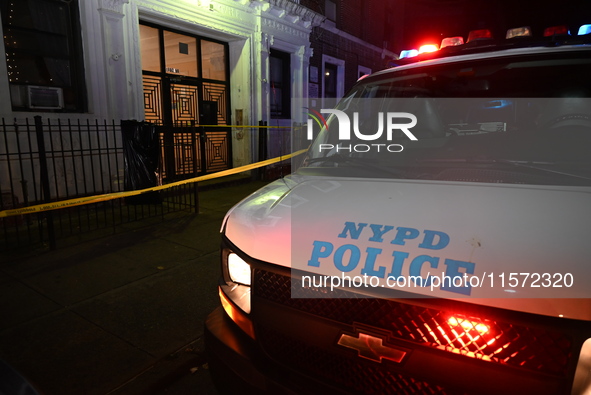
{"x":486,"y":35}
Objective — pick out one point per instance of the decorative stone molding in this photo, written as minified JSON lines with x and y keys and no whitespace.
{"x":289,"y":10}
{"x":267,"y":41}
{"x":302,"y":52}
{"x":308,"y":52}
{"x":277,"y":11}
{"x":259,"y":4}
{"x":213,"y":15}
{"x":282,"y":27}
{"x":226,"y":11}
{"x":112,"y":5}
{"x":292,"y":18}
{"x":297,"y":11}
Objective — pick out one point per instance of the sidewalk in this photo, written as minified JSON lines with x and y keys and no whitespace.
{"x":118,"y":315}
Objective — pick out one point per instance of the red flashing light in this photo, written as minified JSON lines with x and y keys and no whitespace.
{"x":479,"y":35}
{"x":472,"y":329}
{"x":428,"y":48}
{"x":465,"y":336}
{"x":556,"y":31}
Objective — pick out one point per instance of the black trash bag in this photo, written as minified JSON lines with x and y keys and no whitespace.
{"x":141,"y":153}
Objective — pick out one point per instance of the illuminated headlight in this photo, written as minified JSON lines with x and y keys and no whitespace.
{"x":235,"y":293}
{"x":238,"y":270}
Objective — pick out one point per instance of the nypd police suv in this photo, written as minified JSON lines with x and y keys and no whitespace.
{"x":457,"y":263}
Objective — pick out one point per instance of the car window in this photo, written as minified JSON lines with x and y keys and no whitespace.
{"x":504,"y":120}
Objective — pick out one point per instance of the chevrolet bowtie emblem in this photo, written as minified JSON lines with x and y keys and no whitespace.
{"x":371,"y":348}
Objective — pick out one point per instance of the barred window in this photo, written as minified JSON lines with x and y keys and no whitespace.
{"x":280,"y":79}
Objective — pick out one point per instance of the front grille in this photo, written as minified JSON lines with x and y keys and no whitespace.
{"x":505,"y":343}
{"x":348,"y":373}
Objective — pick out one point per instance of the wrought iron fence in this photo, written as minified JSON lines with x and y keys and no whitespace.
{"x":43,"y":161}
{"x":53,"y":160}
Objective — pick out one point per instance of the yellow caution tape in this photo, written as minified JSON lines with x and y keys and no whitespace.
{"x":245,"y":126}
{"x":117,"y":195}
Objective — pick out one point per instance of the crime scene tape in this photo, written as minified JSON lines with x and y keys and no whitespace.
{"x":117,"y":195}
{"x":247,"y":126}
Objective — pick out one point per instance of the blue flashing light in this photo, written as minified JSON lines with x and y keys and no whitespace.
{"x":585,"y":29}
{"x":409,"y":53}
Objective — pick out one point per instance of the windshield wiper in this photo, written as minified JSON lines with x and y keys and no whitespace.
{"x":533,"y":165}
{"x":515,"y":163}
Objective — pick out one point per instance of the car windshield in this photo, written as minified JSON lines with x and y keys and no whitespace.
{"x":521,"y":119}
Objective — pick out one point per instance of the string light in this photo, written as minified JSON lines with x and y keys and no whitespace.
{"x":13,"y":73}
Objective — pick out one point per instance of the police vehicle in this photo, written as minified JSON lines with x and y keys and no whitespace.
{"x":434,"y":240}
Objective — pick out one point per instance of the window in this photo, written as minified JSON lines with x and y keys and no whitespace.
{"x":213,"y":59}
{"x":279,"y":70}
{"x":486,"y":120}
{"x":180,"y":54}
{"x":43,"y":55}
{"x":333,"y":77}
{"x":330,"y":80}
{"x":185,"y":77}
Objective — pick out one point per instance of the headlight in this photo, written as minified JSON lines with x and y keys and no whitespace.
{"x":238,"y":270}
{"x":235,"y":293}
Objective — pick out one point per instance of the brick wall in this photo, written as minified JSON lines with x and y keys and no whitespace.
{"x":367,"y":20}
{"x":354,"y":54}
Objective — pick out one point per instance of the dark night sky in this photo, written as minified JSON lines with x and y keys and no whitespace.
{"x":431,"y":20}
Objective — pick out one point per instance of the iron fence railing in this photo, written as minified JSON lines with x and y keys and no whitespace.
{"x":52,"y":160}
{"x":44,"y":161}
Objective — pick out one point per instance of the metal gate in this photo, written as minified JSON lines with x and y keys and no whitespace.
{"x":189,"y":150}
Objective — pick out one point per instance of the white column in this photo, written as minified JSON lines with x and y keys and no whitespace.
{"x":120,"y":99}
{"x":266,"y":43}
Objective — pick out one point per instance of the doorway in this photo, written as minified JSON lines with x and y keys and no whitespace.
{"x":186,"y":94}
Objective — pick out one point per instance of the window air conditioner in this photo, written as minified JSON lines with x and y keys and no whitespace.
{"x":45,"y":97}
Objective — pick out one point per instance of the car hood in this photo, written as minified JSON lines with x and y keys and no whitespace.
{"x":521,"y":247}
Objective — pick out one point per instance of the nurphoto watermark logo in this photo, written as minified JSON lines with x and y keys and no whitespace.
{"x":351,"y":134}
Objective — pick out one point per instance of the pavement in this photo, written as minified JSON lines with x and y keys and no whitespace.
{"x":122,"y":314}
